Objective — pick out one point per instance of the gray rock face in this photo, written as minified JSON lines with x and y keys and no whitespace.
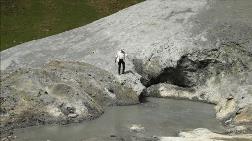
{"x":220,"y":76}
{"x":195,"y":68}
{"x":156,"y":32}
{"x":201,"y":48}
{"x":59,"y":92}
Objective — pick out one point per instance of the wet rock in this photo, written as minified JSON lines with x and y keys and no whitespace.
{"x":9,"y":138}
{"x":72,"y":115}
{"x":245,"y":116}
{"x":137,"y":128}
{"x":164,"y":90}
{"x":225,"y":109}
{"x":206,"y":135}
{"x":237,"y":130}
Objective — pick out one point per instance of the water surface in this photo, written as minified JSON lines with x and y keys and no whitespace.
{"x":159,"y":117}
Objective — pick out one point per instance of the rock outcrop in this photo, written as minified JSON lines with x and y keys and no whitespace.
{"x":59,"y":92}
{"x":220,"y":76}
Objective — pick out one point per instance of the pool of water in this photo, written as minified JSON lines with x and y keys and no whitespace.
{"x":159,"y":117}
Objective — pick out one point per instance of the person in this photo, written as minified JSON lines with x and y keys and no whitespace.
{"x":120,"y":59}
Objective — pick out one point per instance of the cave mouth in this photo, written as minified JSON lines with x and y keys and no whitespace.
{"x":194,"y":69}
{"x":187,"y":74}
{"x":142,"y":98}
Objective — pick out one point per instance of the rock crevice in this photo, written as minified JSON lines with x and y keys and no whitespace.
{"x":220,"y":76}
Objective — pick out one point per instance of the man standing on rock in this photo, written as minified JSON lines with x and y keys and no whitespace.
{"x":120,"y":59}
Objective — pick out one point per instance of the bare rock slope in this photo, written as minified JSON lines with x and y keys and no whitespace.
{"x":59,"y":92}
{"x":193,"y":49}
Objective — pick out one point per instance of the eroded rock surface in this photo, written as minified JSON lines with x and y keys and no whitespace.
{"x":59,"y":92}
{"x":220,"y":76}
{"x":201,"y":48}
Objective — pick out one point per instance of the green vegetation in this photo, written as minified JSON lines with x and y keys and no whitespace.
{"x":25,"y":20}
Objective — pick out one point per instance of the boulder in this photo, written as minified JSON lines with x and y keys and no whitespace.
{"x":60,"y":92}
{"x":137,"y":128}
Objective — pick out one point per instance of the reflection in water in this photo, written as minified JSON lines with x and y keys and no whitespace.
{"x":159,"y":117}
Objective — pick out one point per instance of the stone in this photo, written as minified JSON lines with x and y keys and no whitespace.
{"x":226,"y":109}
{"x":72,"y":115}
{"x":244,"y":117}
{"x":237,"y":129}
{"x":201,"y":134}
{"x":136,"y":128}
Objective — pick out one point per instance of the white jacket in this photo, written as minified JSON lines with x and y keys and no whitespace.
{"x":120,"y":55}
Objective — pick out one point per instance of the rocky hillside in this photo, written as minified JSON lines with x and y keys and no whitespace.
{"x":59,"y":92}
{"x":194,"y":49}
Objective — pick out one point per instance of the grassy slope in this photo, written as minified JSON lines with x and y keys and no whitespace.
{"x":25,"y":20}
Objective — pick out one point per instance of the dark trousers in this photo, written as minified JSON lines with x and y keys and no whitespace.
{"x":121,"y":62}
